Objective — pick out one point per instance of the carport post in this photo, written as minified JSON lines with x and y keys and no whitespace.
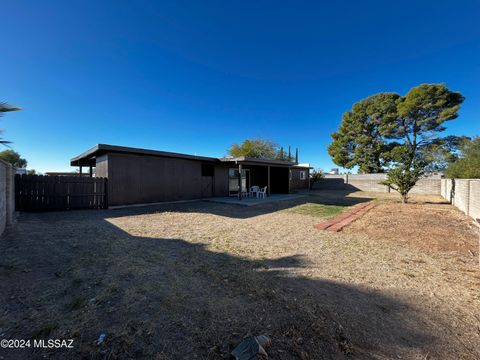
{"x":268,"y":180}
{"x":239,"y":181}
{"x":289,"y":180}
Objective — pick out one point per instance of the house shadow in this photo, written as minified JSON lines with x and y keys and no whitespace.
{"x":168,"y":298}
{"x":338,"y":198}
{"x":335,"y":184}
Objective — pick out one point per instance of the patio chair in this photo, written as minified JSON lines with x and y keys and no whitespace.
{"x":254,"y":190}
{"x":262,"y":193}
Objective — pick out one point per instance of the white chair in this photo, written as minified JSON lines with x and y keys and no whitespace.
{"x":262,"y":193}
{"x":254,"y":190}
{"x":245,"y":192}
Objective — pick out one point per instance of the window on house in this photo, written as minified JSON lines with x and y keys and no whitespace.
{"x":207,"y":170}
{"x":303,"y":175}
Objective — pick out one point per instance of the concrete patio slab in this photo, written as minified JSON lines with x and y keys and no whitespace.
{"x":254,"y":201}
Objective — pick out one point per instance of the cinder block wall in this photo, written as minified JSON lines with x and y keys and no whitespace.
{"x":371,"y":183}
{"x":464,"y":194}
{"x":7,"y":195}
{"x":427,"y":187}
{"x":367,"y":182}
{"x":474,"y":207}
{"x":461,"y":198}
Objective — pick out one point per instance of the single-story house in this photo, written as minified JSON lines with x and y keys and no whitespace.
{"x":64,"y":173}
{"x":137,"y":176}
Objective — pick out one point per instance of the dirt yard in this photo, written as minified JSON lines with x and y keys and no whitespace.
{"x":190,"y":281}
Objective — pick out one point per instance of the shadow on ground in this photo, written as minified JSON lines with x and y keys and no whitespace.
{"x":75,"y":275}
{"x":243,"y":212}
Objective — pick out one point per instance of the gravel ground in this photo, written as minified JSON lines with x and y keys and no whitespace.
{"x":190,"y":281}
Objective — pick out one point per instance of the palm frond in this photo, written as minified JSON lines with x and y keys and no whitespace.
{"x":5,"y":107}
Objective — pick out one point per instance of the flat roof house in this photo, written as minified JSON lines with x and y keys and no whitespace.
{"x":137,"y":176}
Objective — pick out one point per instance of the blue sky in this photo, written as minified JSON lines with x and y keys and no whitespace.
{"x":197,"y":76}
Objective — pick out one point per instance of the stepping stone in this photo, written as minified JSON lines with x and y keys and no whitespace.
{"x":339,"y":222}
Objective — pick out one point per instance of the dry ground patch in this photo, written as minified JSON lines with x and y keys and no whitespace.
{"x":190,"y":281}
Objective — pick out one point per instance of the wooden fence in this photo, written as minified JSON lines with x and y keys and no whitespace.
{"x":38,"y":192}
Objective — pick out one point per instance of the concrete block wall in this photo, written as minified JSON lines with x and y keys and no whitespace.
{"x":371,"y":183}
{"x":7,"y":195}
{"x":445,"y":188}
{"x":464,"y":194}
{"x":461,"y":198}
{"x":427,"y":187}
{"x":474,"y":206}
{"x":331,"y":182}
{"x":368,"y":182}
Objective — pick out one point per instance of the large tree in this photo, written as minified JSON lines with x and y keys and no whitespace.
{"x":468,"y":165}
{"x":420,"y":118}
{"x":396,"y":133}
{"x":421,"y":115}
{"x":443,"y":151}
{"x":361,"y":138}
{"x":13,"y":158}
{"x":255,"y":148}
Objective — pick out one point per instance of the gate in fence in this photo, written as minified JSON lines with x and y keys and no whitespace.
{"x":38,"y":192}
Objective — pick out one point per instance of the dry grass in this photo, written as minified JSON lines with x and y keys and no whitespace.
{"x":392,"y":221}
{"x":190,"y":281}
{"x":320,"y":210}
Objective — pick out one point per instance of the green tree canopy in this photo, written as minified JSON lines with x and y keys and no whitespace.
{"x":441,"y":152}
{"x":468,"y":165}
{"x":281,"y":154}
{"x":13,"y":158}
{"x":395,"y":133}
{"x":255,"y":148}
{"x":361,"y":139}
{"x":420,"y":118}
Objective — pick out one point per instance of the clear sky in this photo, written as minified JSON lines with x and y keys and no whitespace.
{"x":197,"y":76}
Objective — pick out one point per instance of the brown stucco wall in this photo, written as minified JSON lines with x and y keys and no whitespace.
{"x":221,"y":180}
{"x":296,"y":183}
{"x":137,"y":179}
{"x":101,"y":167}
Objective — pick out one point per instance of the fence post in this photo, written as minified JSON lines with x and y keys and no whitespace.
{"x":452,"y":192}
